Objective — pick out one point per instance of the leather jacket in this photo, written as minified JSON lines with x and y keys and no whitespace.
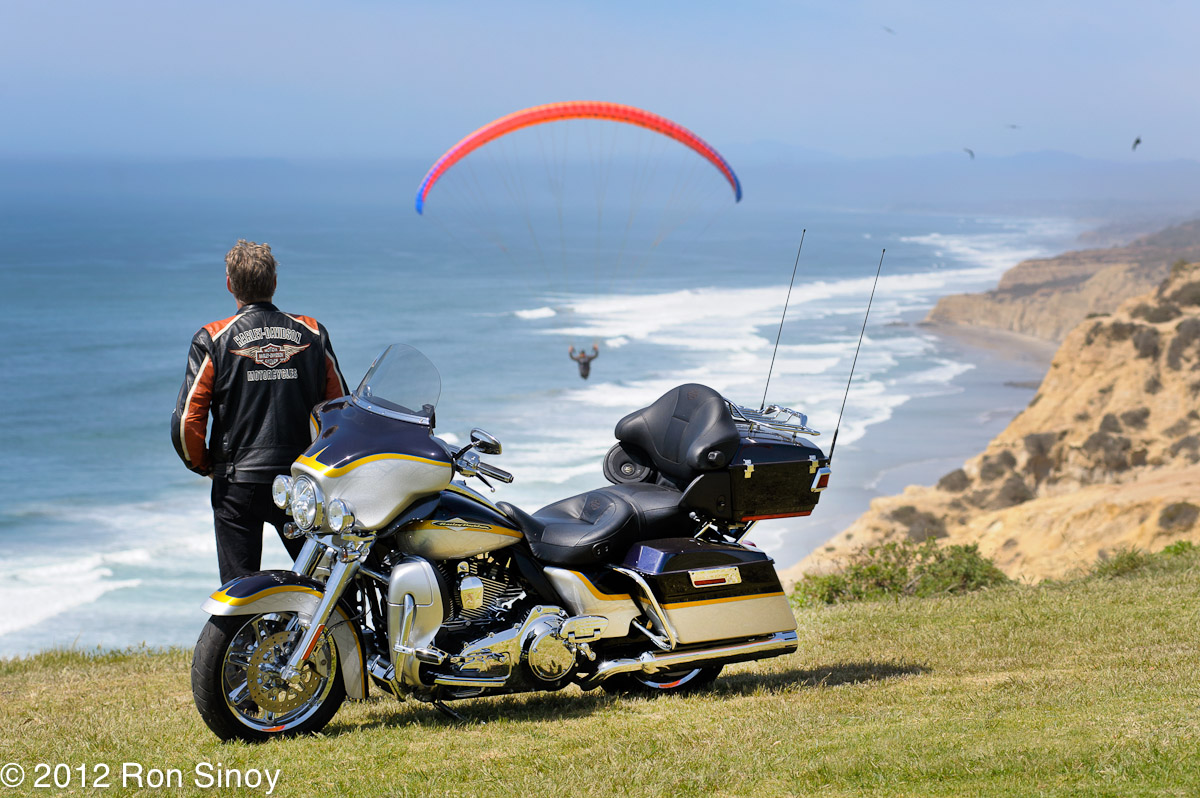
{"x":259,"y":374}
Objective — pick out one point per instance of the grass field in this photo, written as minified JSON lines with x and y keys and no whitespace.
{"x":1085,"y":688}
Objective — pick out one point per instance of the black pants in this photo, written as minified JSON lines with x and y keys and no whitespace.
{"x":239,"y":511}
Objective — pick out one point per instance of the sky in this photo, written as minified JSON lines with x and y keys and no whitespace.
{"x":372,"y":79}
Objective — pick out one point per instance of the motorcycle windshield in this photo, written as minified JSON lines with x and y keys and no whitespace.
{"x":401,"y":383}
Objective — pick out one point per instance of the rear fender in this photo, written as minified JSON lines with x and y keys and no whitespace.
{"x":288,"y":591}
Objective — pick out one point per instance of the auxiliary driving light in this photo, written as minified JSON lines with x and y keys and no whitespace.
{"x":281,"y":491}
{"x":339,"y":515}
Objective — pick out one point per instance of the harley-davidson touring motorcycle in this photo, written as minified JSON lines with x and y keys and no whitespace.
{"x":411,"y":580}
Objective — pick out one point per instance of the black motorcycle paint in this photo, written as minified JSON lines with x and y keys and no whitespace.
{"x":667,"y":566}
{"x":348,"y":433}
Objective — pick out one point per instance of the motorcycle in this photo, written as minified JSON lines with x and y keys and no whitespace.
{"x":410,"y":580}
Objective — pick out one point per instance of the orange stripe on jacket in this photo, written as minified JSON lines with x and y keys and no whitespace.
{"x":195,"y":419}
{"x":217,"y":328}
{"x":307,"y":321}
{"x":333,"y":380}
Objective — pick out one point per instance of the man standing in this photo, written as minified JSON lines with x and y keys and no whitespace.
{"x":259,"y":373}
{"x":584,"y":359}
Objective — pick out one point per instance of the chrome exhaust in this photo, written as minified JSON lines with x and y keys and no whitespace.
{"x":654,"y":662}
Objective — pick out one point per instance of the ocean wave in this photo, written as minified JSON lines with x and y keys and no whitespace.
{"x":132,"y":545}
{"x":995,"y":252}
{"x":535,"y":313}
{"x":944,"y":372}
{"x":43,"y":591}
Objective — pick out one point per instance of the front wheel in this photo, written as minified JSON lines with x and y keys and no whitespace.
{"x":237,"y":685}
{"x":654,"y":684}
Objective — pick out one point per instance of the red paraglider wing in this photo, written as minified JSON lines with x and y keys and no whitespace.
{"x":555,"y":112}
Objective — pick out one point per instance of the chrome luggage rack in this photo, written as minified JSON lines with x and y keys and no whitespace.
{"x":772,"y":419}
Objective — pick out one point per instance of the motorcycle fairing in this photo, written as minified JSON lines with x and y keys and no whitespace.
{"x":383,"y":463}
{"x":288,"y":591}
{"x":347,"y":432}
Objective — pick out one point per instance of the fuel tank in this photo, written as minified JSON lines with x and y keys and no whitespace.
{"x":462,"y":524}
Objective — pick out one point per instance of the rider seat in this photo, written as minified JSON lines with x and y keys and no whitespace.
{"x":686,"y":432}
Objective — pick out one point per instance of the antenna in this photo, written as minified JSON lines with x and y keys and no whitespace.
{"x":781,"y":320}
{"x":878,"y":269}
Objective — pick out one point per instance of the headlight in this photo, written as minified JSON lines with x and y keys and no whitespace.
{"x":281,"y":491}
{"x":306,"y":503}
{"x":340,"y":516}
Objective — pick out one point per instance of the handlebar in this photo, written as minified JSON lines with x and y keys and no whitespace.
{"x":466,"y":462}
{"x":492,"y":471}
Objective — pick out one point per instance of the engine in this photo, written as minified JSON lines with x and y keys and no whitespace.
{"x":483,"y":592}
{"x":500,"y":635}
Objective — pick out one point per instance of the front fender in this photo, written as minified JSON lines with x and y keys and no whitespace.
{"x":288,"y":591}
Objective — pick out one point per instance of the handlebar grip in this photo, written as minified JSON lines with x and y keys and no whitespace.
{"x":494,"y":473}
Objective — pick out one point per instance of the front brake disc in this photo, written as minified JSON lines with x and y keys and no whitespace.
{"x":267,"y":686}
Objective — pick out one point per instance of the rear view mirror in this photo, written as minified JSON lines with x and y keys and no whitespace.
{"x":484,"y":442}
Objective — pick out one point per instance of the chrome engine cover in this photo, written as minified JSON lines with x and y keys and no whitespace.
{"x":547,"y":643}
{"x":496,"y":655}
{"x":412,"y":624}
{"x":548,"y":655}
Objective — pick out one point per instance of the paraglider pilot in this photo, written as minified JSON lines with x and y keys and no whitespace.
{"x":584,"y":359}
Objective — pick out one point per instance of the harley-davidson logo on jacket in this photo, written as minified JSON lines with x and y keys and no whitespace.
{"x":270,"y":355}
{"x":260,"y":411}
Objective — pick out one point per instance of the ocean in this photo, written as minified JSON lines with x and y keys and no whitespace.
{"x":107,"y":538}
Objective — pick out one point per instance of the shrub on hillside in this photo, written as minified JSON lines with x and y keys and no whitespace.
{"x":902,"y":569}
{"x":1179,"y":547}
{"x":1122,"y":562}
{"x":1156,"y":314}
{"x":1182,"y":554}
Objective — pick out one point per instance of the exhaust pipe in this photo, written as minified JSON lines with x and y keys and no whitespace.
{"x":654,"y":662}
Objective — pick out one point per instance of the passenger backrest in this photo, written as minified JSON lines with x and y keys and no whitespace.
{"x":685,"y":432}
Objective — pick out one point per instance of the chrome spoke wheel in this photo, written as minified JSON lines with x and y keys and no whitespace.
{"x":252,"y":679}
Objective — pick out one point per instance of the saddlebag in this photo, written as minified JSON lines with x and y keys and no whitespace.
{"x":713,"y":591}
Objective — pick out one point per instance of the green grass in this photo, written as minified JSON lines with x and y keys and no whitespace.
{"x":1082,"y":688}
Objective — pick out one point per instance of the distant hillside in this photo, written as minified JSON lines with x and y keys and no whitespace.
{"x":1047,"y":297}
{"x":1106,"y":455}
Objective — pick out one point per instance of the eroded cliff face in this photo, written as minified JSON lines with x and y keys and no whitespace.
{"x":1047,"y":297}
{"x":1106,"y":455}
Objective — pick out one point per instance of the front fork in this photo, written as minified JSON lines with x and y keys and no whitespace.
{"x":341,"y":574}
{"x":309,"y":557}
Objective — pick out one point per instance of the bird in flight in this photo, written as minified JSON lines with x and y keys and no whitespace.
{"x":889,"y":30}
{"x":970,"y":152}
{"x":1011,"y":126}
{"x":1136,"y":142}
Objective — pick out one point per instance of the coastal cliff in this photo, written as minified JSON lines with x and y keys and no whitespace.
{"x":1047,"y":297}
{"x":1106,"y":455}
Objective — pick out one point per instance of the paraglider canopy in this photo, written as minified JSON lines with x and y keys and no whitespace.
{"x":555,"y":112}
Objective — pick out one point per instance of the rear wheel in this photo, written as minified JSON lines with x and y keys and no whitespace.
{"x":238,"y":686}
{"x":653,"y":684}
